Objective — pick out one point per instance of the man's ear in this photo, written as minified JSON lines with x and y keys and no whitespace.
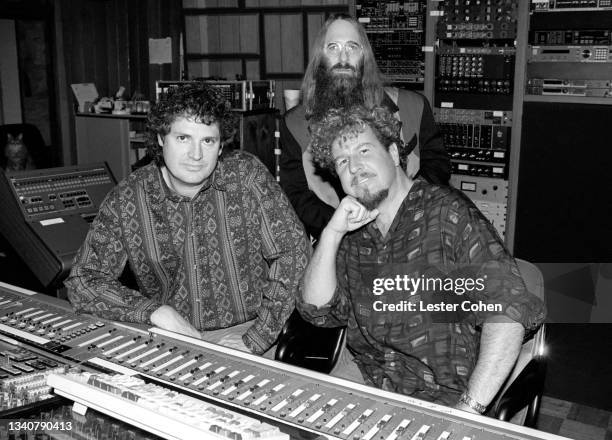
{"x":160,"y":141}
{"x":394,"y":152}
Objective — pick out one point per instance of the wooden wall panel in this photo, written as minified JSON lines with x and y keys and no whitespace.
{"x":227,"y":69}
{"x":252,"y":69}
{"x":272,"y":29}
{"x":211,"y":24}
{"x":292,"y":51}
{"x":315,"y":22}
{"x":249,"y":33}
{"x":106,"y":43}
{"x":229,"y":33}
{"x":196,"y":40}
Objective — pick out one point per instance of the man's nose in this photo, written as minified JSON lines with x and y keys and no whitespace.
{"x":354,"y":165}
{"x":343,"y":56}
{"x":195,"y":151}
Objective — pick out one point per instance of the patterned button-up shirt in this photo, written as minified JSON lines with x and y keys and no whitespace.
{"x":437,"y":234}
{"x":234,"y":253}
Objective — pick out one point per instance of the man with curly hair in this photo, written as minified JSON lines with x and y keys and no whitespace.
{"x":389,"y":237}
{"x":215,"y":247}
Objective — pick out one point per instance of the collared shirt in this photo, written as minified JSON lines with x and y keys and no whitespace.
{"x":437,"y":233}
{"x":233,"y":253}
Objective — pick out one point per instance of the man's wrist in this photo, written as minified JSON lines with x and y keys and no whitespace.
{"x":330,"y":235}
{"x":469,"y":402}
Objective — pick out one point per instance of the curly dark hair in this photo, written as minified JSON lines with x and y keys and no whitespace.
{"x":349,"y":123}
{"x":192,"y":100}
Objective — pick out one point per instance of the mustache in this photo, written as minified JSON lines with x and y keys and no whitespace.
{"x":357,"y":178}
{"x":339,"y":66}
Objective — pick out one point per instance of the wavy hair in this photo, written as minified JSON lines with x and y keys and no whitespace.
{"x":346,"y":124}
{"x":372,"y":80}
{"x":189,"y":100}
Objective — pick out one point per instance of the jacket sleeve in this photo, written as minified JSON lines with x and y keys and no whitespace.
{"x":313,"y":212}
{"x":286,"y":249}
{"x":435,"y":161}
{"x":93,"y":284}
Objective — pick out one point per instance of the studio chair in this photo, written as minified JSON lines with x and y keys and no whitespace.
{"x":305,"y":345}
{"x":520,"y":398}
{"x":31,"y":138}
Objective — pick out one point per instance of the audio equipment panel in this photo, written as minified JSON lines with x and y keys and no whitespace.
{"x":490,"y":196}
{"x":475,"y":77}
{"x":60,"y":422}
{"x":475,"y":64}
{"x":570,"y":52}
{"x":242,"y":95}
{"x":23,"y":375}
{"x":282,"y":394}
{"x":569,"y":87}
{"x":565,"y":5}
{"x":600,"y":37}
{"x":396,"y":32}
{"x":487,"y":19}
{"x":579,"y":54}
{"x":47,"y":212}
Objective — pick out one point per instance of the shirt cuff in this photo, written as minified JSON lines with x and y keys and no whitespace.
{"x":255,"y":342}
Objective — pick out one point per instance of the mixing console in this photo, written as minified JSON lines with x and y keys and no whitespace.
{"x":170,"y":414}
{"x":23,"y":375}
{"x":281,"y":393}
{"x":60,"y":422}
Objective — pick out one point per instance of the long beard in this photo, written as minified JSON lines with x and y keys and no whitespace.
{"x":336,"y":90}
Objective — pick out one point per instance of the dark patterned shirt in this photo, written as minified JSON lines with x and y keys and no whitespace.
{"x":437,"y":234}
{"x":234,"y":253}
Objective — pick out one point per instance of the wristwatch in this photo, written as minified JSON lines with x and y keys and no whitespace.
{"x":478,"y":407}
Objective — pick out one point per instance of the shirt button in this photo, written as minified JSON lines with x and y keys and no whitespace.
{"x":392,"y":364}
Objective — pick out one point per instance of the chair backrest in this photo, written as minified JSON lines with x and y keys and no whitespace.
{"x":534,"y":347}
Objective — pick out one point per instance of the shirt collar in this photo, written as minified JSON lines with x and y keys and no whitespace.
{"x":416,"y":191}
{"x":158,"y":190}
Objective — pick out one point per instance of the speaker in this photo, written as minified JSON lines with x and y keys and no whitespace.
{"x":564,"y":198}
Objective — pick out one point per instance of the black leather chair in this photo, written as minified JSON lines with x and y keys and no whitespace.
{"x":316,"y":348}
{"x":520,"y":398}
{"x":308,"y":346}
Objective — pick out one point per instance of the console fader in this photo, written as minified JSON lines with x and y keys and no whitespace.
{"x":281,"y":393}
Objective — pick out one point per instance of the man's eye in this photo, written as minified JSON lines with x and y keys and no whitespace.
{"x":333,"y":47}
{"x":181,"y":138}
{"x":209,"y":141}
{"x":364,"y":150}
{"x":341,"y":162}
{"x":352,"y":46}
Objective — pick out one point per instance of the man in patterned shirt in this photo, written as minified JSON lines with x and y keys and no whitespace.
{"x":209,"y":235}
{"x":452,"y":343}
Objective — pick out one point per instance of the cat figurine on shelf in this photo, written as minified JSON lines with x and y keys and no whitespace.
{"x":17,"y":155}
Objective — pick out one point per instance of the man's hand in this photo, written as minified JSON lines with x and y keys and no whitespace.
{"x":350,"y":215}
{"x":169,"y":319}
{"x":234,"y":341}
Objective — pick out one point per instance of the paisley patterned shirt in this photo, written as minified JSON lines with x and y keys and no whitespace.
{"x":440,"y":240}
{"x":234,"y":253}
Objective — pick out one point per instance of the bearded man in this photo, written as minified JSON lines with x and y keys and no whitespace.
{"x":342,"y":73}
